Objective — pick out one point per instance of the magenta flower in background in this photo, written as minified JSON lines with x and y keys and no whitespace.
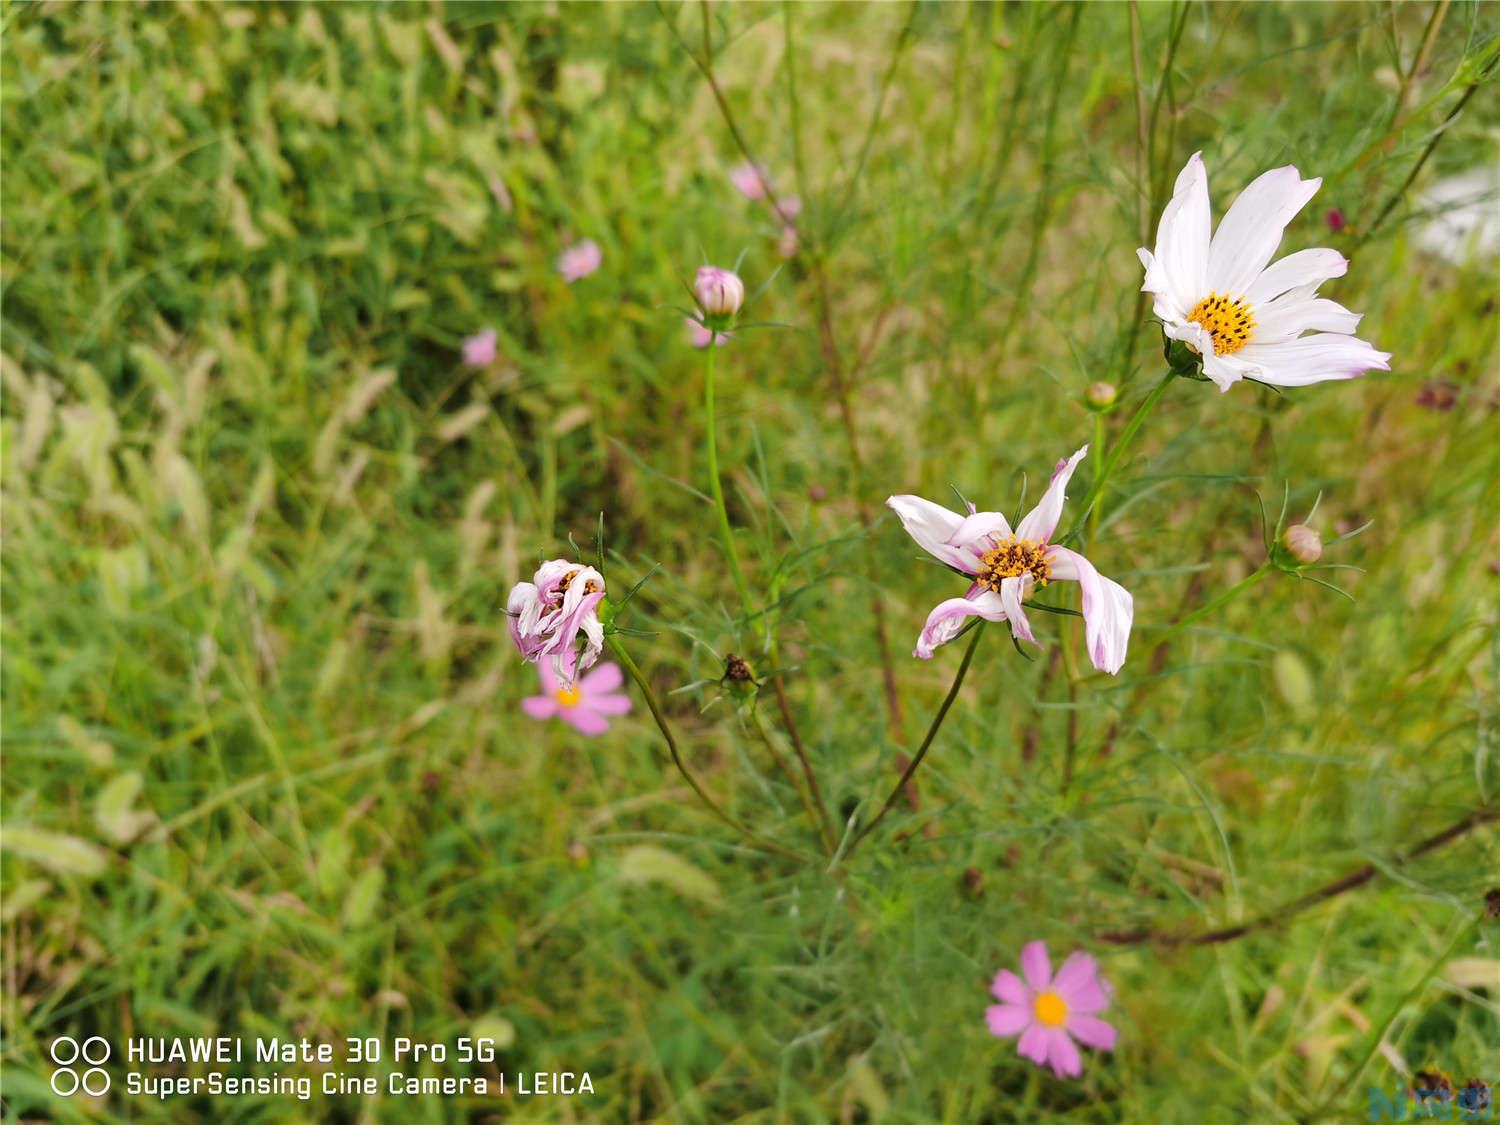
{"x":547,"y":614}
{"x":1049,"y":1012}
{"x":751,"y":179}
{"x":1246,"y":316}
{"x":701,"y":334}
{"x":583,"y":704}
{"x":579,"y":260}
{"x":1007,"y":566}
{"x":479,"y":349}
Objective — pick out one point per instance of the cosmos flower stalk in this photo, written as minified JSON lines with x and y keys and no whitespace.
{"x":1006,"y":566}
{"x":1238,"y":314}
{"x":548,"y":614}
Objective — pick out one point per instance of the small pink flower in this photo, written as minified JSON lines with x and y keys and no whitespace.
{"x":1005,"y":567}
{"x":479,"y":350}
{"x":547,"y":614}
{"x":1049,"y":1012}
{"x":788,"y":243}
{"x":579,"y":260}
{"x":1335,"y":221}
{"x":787,"y":208}
{"x":750,"y":179}
{"x":701,"y":334}
{"x":583,"y":703}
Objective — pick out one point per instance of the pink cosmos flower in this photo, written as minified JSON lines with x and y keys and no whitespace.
{"x":1049,"y":1012}
{"x":579,"y":260}
{"x":1007,"y":566}
{"x":583,"y":704}
{"x":479,"y":350}
{"x":1245,"y":316}
{"x":750,"y":178}
{"x":701,"y":334}
{"x":548,"y":613}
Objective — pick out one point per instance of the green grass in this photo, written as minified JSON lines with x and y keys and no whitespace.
{"x":265,"y":772}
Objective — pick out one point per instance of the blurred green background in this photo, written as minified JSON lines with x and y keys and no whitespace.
{"x":265,"y":772}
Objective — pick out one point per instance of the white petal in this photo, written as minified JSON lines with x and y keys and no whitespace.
{"x":931,"y":525}
{"x":977,"y":528}
{"x":1178,"y":269}
{"x":1298,"y":311}
{"x":1041,"y":521}
{"x":1312,"y":359}
{"x":944,"y":622}
{"x":1251,"y":230}
{"x":1010,"y":598}
{"x":1108,"y":608}
{"x":1305,"y":267}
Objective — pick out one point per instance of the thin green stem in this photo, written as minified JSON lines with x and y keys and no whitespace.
{"x":932,"y":731}
{"x":716,"y":489}
{"x":1223,"y":599}
{"x":687,"y":775}
{"x":820,"y":824}
{"x":1132,"y":427}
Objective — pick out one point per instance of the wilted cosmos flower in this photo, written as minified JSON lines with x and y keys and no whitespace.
{"x":579,"y":260}
{"x":1007,"y":566}
{"x":479,"y":349}
{"x":547,"y":614}
{"x":1244,"y":316}
{"x":750,"y":179}
{"x":1049,"y":1012}
{"x":719,"y":292}
{"x":701,"y":334}
{"x":584,"y":703}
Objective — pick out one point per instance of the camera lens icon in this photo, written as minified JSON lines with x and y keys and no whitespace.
{"x":65,"y":1052}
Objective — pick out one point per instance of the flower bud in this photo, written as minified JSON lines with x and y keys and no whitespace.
{"x":1099,"y":395}
{"x":719,"y":292}
{"x":1303,"y":543}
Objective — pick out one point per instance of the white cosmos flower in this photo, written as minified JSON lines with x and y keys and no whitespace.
{"x":1245,"y":316}
{"x":1006,"y":566}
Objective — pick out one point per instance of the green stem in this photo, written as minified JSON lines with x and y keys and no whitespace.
{"x":1228,"y":595}
{"x":932,"y":730}
{"x":1132,"y":427}
{"x":820,"y":826}
{"x":666,"y":732}
{"x":717,"y":491}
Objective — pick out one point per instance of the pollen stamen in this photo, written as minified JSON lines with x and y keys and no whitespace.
{"x":1231,"y":323}
{"x":1012,"y":558}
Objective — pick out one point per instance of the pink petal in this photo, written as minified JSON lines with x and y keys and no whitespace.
{"x":1010,"y":598}
{"x":1036,"y":967}
{"x":1041,"y":521}
{"x":1008,"y":988}
{"x":1007,"y":1019}
{"x":584,"y":721}
{"x":976,"y":529}
{"x":1062,"y":1055}
{"x":1033,"y":1044}
{"x":944,"y":622}
{"x":1092,"y":1032}
{"x":1079,"y":984}
{"x":602,"y":680}
{"x":932,"y":526}
{"x":540,"y":706}
{"x":606,"y":704}
{"x":1108,"y":608}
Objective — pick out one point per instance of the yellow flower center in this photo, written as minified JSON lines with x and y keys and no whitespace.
{"x":1228,"y":321}
{"x":1050,"y":1009}
{"x":568,"y":696}
{"x":1011,"y":559}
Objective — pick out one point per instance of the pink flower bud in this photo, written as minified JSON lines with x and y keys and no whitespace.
{"x":1303,"y":543}
{"x":1100,"y":394}
{"x":719,"y":292}
{"x":1335,"y":220}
